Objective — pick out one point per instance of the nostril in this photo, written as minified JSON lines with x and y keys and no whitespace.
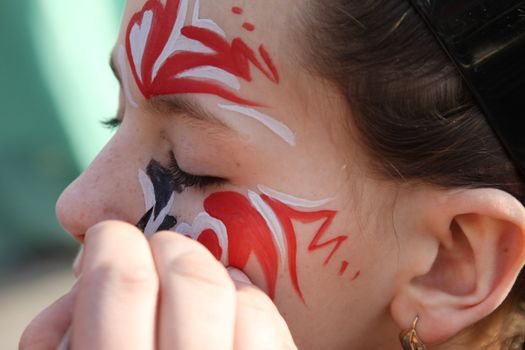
{"x":77,"y":211}
{"x":63,"y":212}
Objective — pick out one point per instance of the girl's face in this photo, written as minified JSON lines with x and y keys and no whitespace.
{"x":225,"y":138}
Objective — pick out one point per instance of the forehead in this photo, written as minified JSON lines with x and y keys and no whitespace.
{"x":240,"y":58}
{"x":254,"y":21}
{"x":236,"y":44}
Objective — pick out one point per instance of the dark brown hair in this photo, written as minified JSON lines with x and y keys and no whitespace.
{"x":415,"y":116}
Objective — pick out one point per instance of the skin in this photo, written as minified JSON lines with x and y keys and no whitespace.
{"x":448,"y":256}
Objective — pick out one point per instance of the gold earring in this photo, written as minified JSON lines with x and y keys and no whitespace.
{"x":410,"y":340}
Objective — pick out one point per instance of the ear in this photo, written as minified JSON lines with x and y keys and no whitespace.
{"x":461,"y":261}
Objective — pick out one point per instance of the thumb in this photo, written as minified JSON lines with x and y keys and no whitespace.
{"x":48,"y":328}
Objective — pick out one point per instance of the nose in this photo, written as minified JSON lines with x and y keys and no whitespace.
{"x":107,"y":190}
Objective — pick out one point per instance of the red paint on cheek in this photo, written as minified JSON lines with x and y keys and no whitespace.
{"x":248,"y":234}
{"x":327,"y":216}
{"x":357,"y":275}
{"x":344,"y":266}
{"x":209,"y":239}
{"x":248,"y":26}
{"x":285,"y":215}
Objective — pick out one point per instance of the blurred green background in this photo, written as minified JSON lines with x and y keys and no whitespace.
{"x":55,"y":88}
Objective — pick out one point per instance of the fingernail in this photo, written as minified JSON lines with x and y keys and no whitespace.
{"x":78,"y":262}
{"x":65,"y":344}
{"x":238,"y":276}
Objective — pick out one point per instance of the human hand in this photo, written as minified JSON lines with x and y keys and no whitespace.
{"x":165,"y":293}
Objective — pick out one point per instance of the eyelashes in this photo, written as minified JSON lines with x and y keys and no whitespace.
{"x":180,"y":178}
{"x":184,"y":180}
{"x":111,"y":123}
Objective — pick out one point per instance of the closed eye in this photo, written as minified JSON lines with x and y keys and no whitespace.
{"x":111,"y":123}
{"x":183,"y":179}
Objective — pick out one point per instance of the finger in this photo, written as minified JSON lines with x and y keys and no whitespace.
{"x":197,"y":303}
{"x":259,"y":325}
{"x":48,"y":328}
{"x":117,"y":296}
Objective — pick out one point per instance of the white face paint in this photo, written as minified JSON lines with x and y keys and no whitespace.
{"x":138,"y":39}
{"x":271,"y":221}
{"x":122,"y":61}
{"x":292,"y":200}
{"x":212,"y":227}
{"x":147,"y":189}
{"x":178,"y":42}
{"x":150,"y":202}
{"x":212,"y":73}
{"x":202,"y":222}
{"x":277,"y":127}
{"x":205,"y":23}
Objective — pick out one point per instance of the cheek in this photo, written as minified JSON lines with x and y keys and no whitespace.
{"x":235,"y":228}
{"x":266,"y":228}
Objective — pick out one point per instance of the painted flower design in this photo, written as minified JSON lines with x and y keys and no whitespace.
{"x":233,"y":227}
{"x":195,"y":58}
{"x":168,"y":57}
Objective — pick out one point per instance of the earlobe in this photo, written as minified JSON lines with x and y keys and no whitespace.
{"x":480,"y":239}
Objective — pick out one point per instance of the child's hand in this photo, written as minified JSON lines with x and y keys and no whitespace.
{"x":165,"y":293}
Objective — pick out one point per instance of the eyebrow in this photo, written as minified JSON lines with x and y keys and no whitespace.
{"x":181,"y":104}
{"x":186,"y":106}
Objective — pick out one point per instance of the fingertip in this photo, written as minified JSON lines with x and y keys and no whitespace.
{"x":183,"y":243}
{"x":113,"y":226}
{"x":238,"y":276}
{"x":162,"y":235}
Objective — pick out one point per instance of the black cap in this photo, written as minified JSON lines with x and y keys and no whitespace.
{"x":486,"y":40}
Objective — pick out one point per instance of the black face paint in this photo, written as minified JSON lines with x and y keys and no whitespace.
{"x":164,"y":189}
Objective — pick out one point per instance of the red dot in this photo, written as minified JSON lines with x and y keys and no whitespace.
{"x":237,"y":10}
{"x":248,"y":26}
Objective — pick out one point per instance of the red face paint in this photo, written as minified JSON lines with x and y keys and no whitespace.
{"x":344,"y":266}
{"x":249,"y":233}
{"x":248,"y":26}
{"x":327,"y":216}
{"x":237,"y":10}
{"x":286,"y":214}
{"x":357,"y":275}
{"x":157,"y":66}
{"x":209,"y":239}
